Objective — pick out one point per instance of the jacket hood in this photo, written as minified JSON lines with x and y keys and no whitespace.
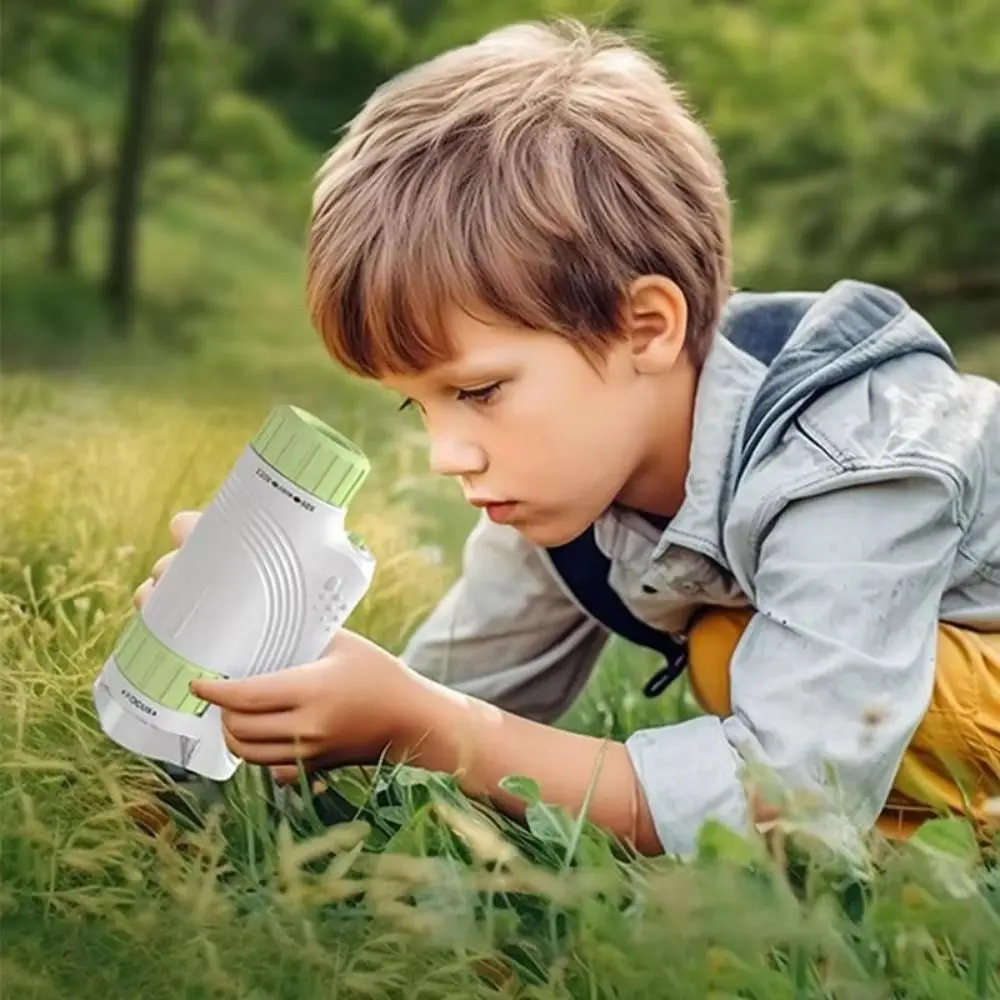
{"x":774,"y":353}
{"x":817,"y":342}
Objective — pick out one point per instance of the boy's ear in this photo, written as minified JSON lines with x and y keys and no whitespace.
{"x":656,"y":323}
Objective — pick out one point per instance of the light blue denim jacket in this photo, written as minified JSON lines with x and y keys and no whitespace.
{"x":848,"y":490}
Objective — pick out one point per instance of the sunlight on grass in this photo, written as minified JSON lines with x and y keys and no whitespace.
{"x":373,"y":883}
{"x":367,"y":883}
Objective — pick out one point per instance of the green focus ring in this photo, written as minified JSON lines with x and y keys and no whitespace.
{"x":312,"y":455}
{"x":157,"y":672}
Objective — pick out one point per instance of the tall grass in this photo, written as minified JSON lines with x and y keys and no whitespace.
{"x":374,"y":882}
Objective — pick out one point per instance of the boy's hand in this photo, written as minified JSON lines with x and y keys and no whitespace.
{"x":181,"y":526}
{"x":344,"y":708}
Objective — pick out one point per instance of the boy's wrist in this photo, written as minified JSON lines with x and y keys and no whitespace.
{"x":442,"y":730}
{"x":434,"y":728}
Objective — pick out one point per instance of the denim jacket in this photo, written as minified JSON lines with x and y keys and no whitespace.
{"x":844,"y":482}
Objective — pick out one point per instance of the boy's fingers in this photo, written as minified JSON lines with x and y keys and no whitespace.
{"x":270,"y":693}
{"x":142,"y":593}
{"x":264,"y":753}
{"x":285,"y":774}
{"x":182,"y":524}
{"x":288,"y":774}
{"x":161,"y":564}
{"x":263,"y":727}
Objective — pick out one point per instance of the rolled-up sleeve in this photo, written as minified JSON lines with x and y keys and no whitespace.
{"x":507,"y":632}
{"x":834,"y":672}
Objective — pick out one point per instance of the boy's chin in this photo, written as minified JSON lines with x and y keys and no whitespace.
{"x":550,"y":532}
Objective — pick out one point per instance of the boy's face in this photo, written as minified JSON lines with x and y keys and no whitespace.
{"x":537,"y":435}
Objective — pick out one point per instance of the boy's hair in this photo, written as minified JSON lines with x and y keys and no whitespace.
{"x":536,"y":173}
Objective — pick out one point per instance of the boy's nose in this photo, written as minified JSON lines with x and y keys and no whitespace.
{"x":457,"y":458}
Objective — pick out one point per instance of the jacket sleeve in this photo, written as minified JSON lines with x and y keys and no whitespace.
{"x":506,"y":631}
{"x":835,"y":670}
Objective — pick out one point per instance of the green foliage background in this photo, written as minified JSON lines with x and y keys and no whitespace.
{"x":861,"y":136}
{"x":861,"y":139}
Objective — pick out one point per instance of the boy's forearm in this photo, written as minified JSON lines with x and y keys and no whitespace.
{"x":481,"y":744}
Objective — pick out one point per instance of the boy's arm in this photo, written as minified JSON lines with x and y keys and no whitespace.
{"x":481,"y":745}
{"x":835,"y":670}
{"x":506,"y":632}
{"x":510,"y":650}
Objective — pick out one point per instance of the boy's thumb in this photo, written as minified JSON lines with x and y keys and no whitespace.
{"x":204,"y":688}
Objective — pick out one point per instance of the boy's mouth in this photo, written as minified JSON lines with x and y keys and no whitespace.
{"x":498,"y":511}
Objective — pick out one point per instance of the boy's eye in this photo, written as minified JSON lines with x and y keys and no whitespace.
{"x":484,"y":395}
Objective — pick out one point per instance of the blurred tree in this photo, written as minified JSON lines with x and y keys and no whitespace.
{"x":861,"y":137}
{"x":137,"y":122}
{"x":78,"y":114}
{"x":60,"y":69}
{"x":457,"y":22}
{"x":315,"y":62}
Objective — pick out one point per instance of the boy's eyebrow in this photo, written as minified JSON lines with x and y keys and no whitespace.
{"x":479,"y":371}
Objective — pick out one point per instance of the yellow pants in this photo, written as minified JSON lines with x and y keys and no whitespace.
{"x":952,"y":764}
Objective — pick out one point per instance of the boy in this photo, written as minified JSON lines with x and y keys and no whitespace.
{"x":796,"y":495}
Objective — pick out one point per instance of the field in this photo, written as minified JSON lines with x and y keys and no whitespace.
{"x":386,"y":884}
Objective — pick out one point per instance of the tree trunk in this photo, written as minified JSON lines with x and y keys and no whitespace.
{"x":132,"y":149}
{"x":64,"y":212}
{"x":66,"y":204}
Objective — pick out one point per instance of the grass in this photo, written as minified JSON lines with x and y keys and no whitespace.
{"x":382,"y":883}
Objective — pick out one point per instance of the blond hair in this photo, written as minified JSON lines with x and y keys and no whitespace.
{"x":536,"y":173}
